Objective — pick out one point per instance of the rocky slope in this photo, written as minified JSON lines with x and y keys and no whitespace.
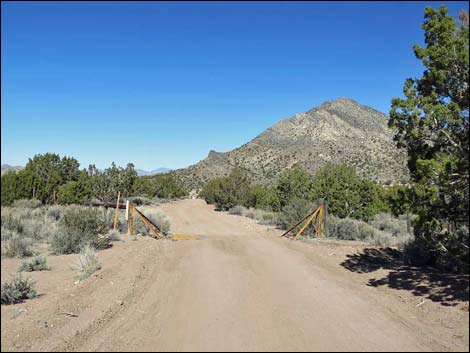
{"x":340,"y":131}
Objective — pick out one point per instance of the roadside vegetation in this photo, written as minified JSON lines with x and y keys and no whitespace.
{"x":29,"y":229}
{"x":358,"y":209}
{"x":43,"y":206}
{"x":66,"y":229}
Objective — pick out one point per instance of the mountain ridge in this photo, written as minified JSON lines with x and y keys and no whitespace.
{"x":161,"y":170}
{"x":338,"y":131}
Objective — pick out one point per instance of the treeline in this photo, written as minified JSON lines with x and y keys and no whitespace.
{"x":52,"y":179}
{"x":347,"y":194}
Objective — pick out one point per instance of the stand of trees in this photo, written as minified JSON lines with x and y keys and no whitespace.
{"x":52,"y":179}
{"x":347,"y":194}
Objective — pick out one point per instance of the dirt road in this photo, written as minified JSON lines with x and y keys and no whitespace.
{"x":237,"y":287}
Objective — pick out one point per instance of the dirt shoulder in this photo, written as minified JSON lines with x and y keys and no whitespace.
{"x":237,"y":287}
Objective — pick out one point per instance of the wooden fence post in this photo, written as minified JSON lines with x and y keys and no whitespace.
{"x":131,"y":220}
{"x":320,"y":217}
{"x":325,"y":219}
{"x":116,"y":212}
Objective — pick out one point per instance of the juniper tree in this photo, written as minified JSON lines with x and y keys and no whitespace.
{"x":432,"y":123}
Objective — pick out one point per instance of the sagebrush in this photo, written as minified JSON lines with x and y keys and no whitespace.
{"x":16,"y":290}
{"x":81,"y":226}
{"x":38,"y":263}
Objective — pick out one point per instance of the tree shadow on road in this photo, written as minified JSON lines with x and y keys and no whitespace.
{"x":448,"y":289}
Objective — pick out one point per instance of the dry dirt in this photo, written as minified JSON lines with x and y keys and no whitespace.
{"x":238,"y":287}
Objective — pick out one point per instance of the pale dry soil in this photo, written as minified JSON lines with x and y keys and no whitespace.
{"x":238,"y":287}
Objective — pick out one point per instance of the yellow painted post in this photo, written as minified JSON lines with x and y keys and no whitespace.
{"x":131,"y":219}
{"x":320,"y":221}
{"x":295,"y":225}
{"x":116,"y":212}
{"x":308,"y":222}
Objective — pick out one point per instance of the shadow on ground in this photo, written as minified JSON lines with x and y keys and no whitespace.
{"x":448,"y":289}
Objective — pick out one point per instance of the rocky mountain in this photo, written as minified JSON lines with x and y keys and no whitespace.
{"x":141,"y":172}
{"x":339,"y":131}
{"x":7,"y":167}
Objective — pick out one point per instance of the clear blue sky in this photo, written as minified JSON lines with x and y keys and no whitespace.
{"x":161,"y":84}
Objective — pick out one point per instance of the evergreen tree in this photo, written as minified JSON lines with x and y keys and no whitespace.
{"x":432,"y":122}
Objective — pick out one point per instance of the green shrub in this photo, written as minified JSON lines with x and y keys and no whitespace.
{"x":227,"y":192}
{"x":160,"y":186}
{"x":347,"y":194}
{"x":167,"y":187}
{"x":9,"y":189}
{"x":264,"y":197}
{"x":448,"y":252}
{"x":73,"y":192}
{"x":345,"y":229}
{"x":80,"y":226}
{"x":17,"y":247}
{"x":39,"y":263}
{"x":293,"y":184}
{"x":16,"y":290}
{"x":386,"y":223}
{"x":417,"y":253}
{"x":88,"y":262}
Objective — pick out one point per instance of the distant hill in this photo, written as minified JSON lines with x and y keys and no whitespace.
{"x":141,"y":172}
{"x":339,"y":131}
{"x":7,"y":167}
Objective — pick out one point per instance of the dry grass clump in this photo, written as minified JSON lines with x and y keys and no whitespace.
{"x":88,"y":262}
